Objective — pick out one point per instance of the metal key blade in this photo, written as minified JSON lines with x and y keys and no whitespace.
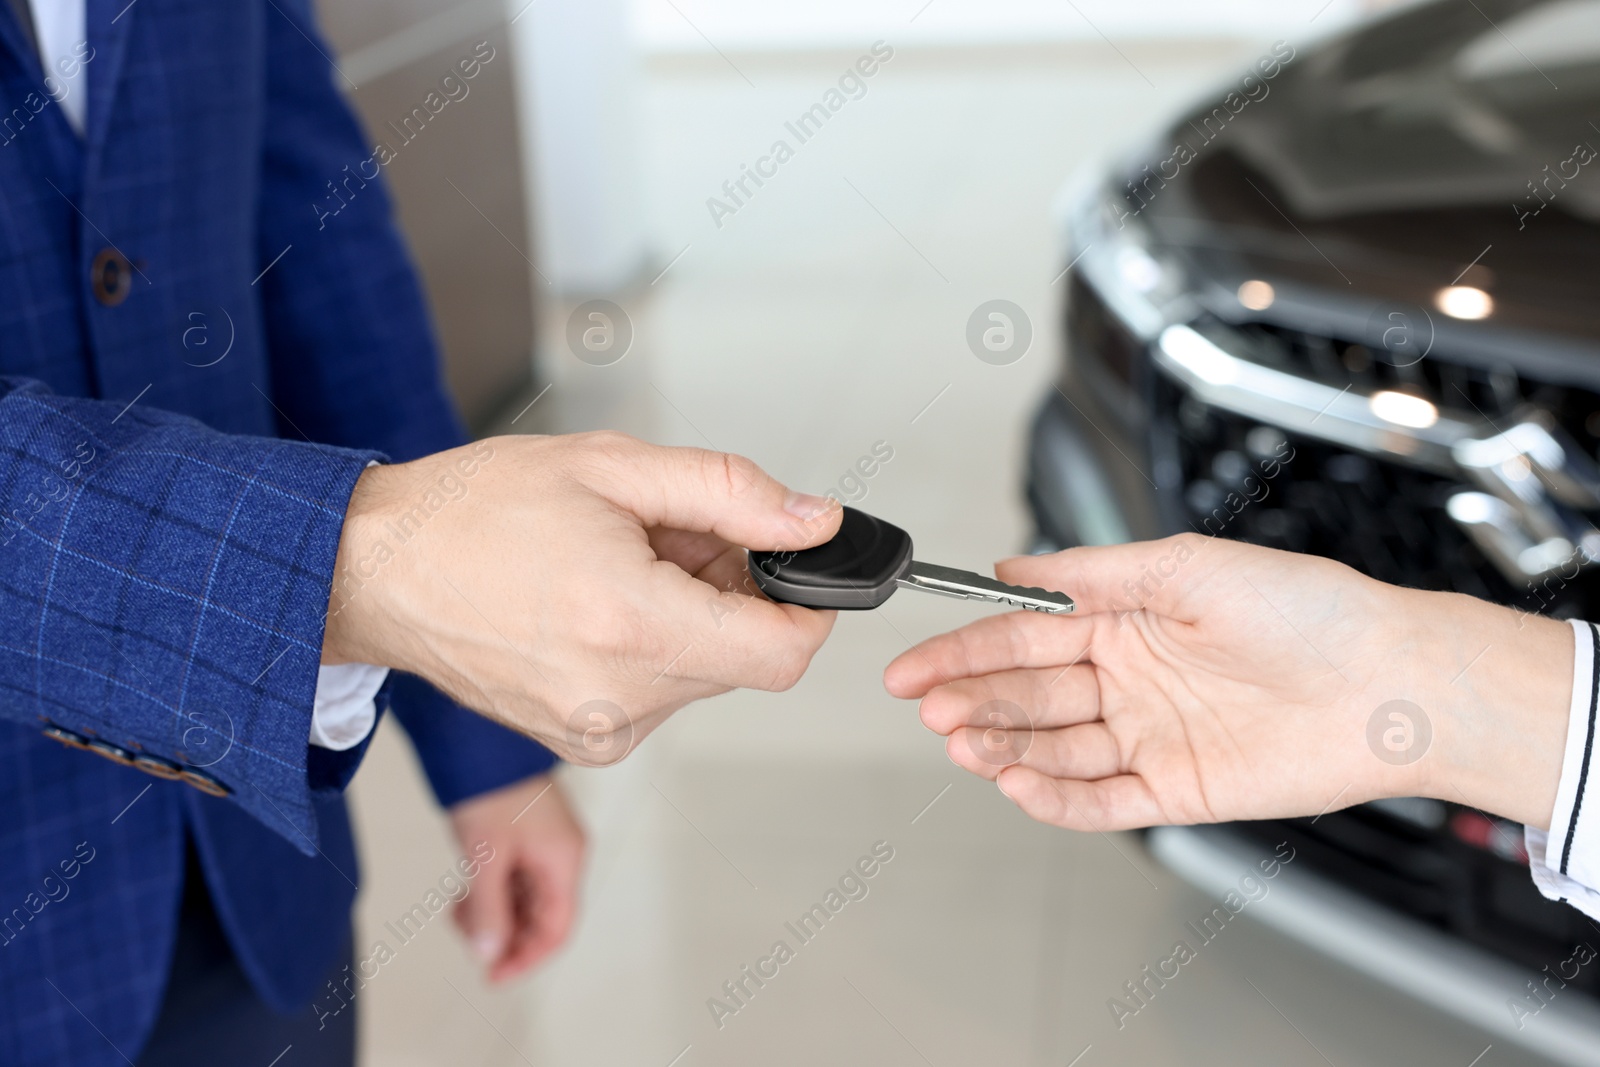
{"x":948,"y":581}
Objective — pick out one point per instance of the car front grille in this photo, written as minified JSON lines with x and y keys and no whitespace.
{"x":1494,"y":393}
{"x":1380,"y":516}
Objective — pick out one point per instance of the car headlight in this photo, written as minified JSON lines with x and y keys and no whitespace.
{"x":1142,"y":283}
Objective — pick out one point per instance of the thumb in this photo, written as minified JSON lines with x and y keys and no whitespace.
{"x":716,"y":492}
{"x":484,"y":914}
{"x":1142,"y":575}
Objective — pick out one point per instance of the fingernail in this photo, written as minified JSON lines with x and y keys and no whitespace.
{"x":487,"y":946}
{"x":1000,"y":784}
{"x":805,"y":506}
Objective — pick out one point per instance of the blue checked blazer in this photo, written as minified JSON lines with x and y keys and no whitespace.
{"x":171,"y":512}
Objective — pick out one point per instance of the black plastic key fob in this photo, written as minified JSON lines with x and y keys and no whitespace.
{"x":858,"y":569}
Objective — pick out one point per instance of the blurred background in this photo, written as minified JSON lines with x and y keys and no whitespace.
{"x":807,"y":322}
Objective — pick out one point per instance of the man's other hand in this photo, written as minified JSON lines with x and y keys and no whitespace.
{"x":523,"y":901}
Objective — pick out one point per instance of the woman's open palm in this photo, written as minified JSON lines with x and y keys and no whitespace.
{"x":1200,"y":680}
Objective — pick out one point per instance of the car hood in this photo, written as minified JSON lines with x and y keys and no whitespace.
{"x":1449,"y":144}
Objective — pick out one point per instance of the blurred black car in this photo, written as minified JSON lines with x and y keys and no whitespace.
{"x":1358,"y":289}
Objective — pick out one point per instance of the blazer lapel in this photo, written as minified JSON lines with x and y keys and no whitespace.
{"x":107,"y":23}
{"x":49,"y":146}
{"x":14,"y":39}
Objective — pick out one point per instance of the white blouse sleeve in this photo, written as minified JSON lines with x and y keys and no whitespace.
{"x":1565,"y":862}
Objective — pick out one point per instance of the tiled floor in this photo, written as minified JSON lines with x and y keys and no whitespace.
{"x":828,"y":315}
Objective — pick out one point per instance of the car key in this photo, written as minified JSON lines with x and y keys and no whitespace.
{"x":866,"y":561}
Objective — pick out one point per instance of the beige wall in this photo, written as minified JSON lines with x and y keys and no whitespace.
{"x":469,"y":238}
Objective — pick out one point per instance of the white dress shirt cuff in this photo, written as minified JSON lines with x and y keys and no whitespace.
{"x":1565,"y":862}
{"x":346,"y":707}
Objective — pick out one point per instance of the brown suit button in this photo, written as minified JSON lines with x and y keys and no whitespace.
{"x":157,"y":766}
{"x":114,"y":753}
{"x":203,"y":782}
{"x":111,"y":277}
{"x":70,"y":738}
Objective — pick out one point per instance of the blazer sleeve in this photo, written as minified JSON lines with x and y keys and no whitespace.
{"x":166,"y":586}
{"x":353,"y":357}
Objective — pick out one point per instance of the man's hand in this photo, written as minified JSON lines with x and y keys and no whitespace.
{"x":1204,"y":680}
{"x":579,"y":589}
{"x":521,"y":905}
